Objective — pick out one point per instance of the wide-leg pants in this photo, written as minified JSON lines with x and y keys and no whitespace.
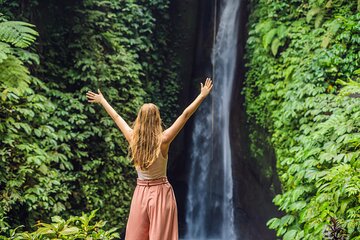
{"x":153,"y":211}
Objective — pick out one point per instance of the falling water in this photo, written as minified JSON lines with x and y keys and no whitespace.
{"x":210,"y":211}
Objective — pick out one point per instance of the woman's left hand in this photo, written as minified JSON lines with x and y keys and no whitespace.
{"x":93,"y":97}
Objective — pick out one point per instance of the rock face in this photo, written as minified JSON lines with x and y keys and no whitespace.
{"x":193,"y":24}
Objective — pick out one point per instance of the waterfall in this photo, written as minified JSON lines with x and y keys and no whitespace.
{"x":210,"y":210}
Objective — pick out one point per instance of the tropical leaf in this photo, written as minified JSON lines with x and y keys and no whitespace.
{"x":318,"y":20}
{"x":350,"y":88}
{"x":268,"y":37}
{"x":5,"y":49}
{"x":19,"y":34}
{"x":275,"y":46}
{"x":281,"y":31}
{"x":290,"y":235}
{"x":332,"y":30}
{"x":314,"y":11}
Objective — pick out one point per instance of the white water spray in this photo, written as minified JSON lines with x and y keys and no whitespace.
{"x":210,"y":210}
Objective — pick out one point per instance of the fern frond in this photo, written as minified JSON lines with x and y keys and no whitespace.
{"x":332,"y":30}
{"x":19,"y":34}
{"x":350,"y":88}
{"x":2,"y":18}
{"x":5,"y":49}
{"x":318,"y":20}
{"x":314,"y":11}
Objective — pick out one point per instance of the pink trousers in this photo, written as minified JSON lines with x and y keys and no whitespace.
{"x":153,"y":212}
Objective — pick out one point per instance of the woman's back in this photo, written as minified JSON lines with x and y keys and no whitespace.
{"x":156,"y":170}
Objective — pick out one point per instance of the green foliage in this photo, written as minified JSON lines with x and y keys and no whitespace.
{"x":275,"y":36}
{"x":350,"y":88}
{"x":19,"y":34}
{"x":30,"y":178}
{"x":305,"y":94}
{"x":63,"y":155}
{"x":73,"y":228}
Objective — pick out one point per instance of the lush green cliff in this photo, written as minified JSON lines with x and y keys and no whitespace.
{"x":61,"y":155}
{"x":302,"y":87}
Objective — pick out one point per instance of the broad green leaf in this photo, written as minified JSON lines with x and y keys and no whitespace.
{"x":275,"y":46}
{"x":268,"y":37}
{"x":290,"y":235}
{"x":69,"y":231}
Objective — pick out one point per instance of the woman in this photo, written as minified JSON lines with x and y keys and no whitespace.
{"x":153,"y":211}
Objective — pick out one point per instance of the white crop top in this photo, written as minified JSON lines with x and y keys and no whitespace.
{"x":156,"y":170}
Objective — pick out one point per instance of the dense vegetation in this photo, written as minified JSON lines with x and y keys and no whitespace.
{"x":61,"y":155}
{"x":82,"y":227}
{"x":303,"y":88}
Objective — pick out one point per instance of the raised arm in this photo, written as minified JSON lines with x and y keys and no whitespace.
{"x":120,"y":122}
{"x":170,"y":133}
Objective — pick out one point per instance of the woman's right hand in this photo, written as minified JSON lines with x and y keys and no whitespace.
{"x":206,"y":88}
{"x":93,"y":97}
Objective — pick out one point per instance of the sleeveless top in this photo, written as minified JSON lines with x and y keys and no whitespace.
{"x":156,"y":170}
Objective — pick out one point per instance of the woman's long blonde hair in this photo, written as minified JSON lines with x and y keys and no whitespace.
{"x":146,"y":140}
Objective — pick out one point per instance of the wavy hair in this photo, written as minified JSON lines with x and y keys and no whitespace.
{"x":146,"y":140}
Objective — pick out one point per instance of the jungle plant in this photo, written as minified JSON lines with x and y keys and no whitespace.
{"x":306,"y":98}
{"x":334,"y":231}
{"x":62,"y":155}
{"x":75,"y":227}
{"x":28,"y":150}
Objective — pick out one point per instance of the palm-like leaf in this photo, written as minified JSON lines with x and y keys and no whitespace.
{"x":5,"y":49}
{"x":19,"y":34}
{"x":350,"y":88}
